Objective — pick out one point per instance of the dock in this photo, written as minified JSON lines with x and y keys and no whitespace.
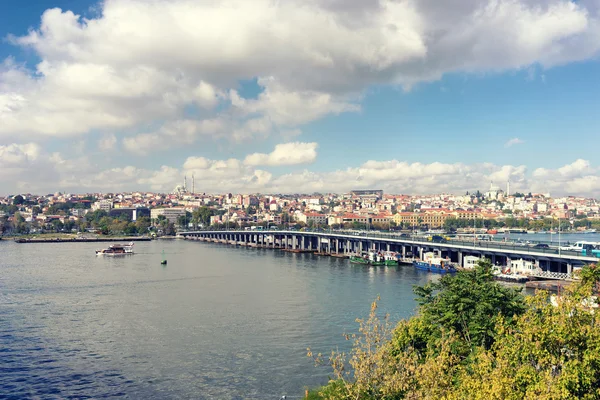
{"x":551,"y":285}
{"x":84,"y":240}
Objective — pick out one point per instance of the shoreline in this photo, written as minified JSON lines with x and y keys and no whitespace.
{"x":83,"y":240}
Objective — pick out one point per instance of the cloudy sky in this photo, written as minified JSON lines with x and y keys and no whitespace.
{"x":411,"y":96}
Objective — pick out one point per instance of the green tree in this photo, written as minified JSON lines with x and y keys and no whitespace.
{"x":468,"y":304}
{"x":18,"y":200}
{"x":202,"y":216}
{"x":540,"y":349}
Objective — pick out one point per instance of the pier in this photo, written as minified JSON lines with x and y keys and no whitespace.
{"x":556,"y":263}
{"x":83,"y":240}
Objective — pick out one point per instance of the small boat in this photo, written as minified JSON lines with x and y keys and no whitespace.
{"x":359,"y":259}
{"x":116,"y":250}
{"x":390,"y":258}
{"x":370,"y":258}
{"x":164,"y":260}
{"x":436,"y":265}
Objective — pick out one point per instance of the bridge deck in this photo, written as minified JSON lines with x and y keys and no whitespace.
{"x":484,"y":247}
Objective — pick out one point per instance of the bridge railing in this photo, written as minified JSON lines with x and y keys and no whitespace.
{"x":479,"y":245}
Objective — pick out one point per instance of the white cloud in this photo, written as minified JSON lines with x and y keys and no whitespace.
{"x":579,"y":177}
{"x":285,"y":154}
{"x":513,"y":142}
{"x":27,"y":168}
{"x":173,"y":134}
{"x":107,"y":142}
{"x":144,"y":63}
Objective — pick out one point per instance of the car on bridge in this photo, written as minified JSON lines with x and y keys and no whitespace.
{"x":437,"y":239}
{"x":541,"y":246}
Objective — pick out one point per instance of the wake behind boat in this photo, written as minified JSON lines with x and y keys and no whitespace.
{"x":116,"y":250}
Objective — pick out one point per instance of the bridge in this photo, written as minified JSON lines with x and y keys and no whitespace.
{"x":344,"y":243}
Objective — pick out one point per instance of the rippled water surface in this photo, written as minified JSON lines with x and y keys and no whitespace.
{"x":216,"y":322}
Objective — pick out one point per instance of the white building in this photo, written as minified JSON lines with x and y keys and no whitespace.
{"x":171,"y":214}
{"x":494,"y":193}
{"x":469,"y":262}
{"x":523,"y":267}
{"x":104,"y":204}
{"x":315,"y":218}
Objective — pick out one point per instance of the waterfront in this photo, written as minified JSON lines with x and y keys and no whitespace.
{"x":216,"y":322}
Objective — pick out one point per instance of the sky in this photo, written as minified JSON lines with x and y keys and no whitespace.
{"x":301,"y":96}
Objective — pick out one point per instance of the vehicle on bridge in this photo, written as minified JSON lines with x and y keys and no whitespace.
{"x":591,"y":250}
{"x":438,"y":239}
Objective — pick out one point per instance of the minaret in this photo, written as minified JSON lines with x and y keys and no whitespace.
{"x":185,"y":183}
{"x":508,"y":188}
{"x":193,"y":185}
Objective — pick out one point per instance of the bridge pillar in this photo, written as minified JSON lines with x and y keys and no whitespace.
{"x":388,"y":247}
{"x":347,"y":246}
{"x":493,"y":259}
{"x":360,"y":247}
{"x":329,"y":246}
{"x":319,"y":244}
{"x":403,"y":251}
{"x":508,"y":261}
{"x":460,"y":258}
{"x":421,"y":253}
{"x":294,"y":240}
{"x":569,"y":268}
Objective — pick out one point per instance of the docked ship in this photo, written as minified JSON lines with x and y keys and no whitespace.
{"x":390,"y":258}
{"x":434,"y":264}
{"x":369,"y":258}
{"x":116,"y":250}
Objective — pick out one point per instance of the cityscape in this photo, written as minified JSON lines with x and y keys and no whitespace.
{"x":291,"y":199}
{"x":184,"y":209}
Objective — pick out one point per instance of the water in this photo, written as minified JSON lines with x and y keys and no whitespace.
{"x":216,"y":322}
{"x":552,"y":238}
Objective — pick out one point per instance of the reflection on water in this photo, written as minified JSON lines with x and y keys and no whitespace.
{"x":216,"y":322}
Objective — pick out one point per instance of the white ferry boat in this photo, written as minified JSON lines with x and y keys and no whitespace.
{"x":116,"y":250}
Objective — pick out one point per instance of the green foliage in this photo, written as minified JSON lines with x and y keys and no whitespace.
{"x":18,"y":200}
{"x":473,"y":339}
{"x":202,"y":216}
{"x":468,"y":304}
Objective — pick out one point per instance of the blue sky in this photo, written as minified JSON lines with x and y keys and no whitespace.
{"x":111,"y":102}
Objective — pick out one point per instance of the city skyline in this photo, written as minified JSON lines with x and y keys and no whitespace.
{"x":410,"y":97}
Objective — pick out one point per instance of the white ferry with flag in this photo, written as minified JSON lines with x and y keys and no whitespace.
{"x":116,"y":250}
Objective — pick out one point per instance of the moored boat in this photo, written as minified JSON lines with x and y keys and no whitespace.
{"x":434,"y":264}
{"x":359,"y":259}
{"x":116,"y":250}
{"x":370,"y":258}
{"x":390,"y":258}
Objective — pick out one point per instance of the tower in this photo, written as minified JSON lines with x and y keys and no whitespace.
{"x":508,"y":188}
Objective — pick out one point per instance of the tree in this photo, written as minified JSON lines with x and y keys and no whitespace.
{"x":18,"y":200}
{"x":170,"y":229}
{"x":468,"y":304}
{"x":202,"y":216}
{"x":539,"y":351}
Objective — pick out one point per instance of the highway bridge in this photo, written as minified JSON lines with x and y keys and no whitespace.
{"x":550,"y":260}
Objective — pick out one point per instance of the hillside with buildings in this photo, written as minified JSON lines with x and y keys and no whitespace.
{"x":140,"y":212}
